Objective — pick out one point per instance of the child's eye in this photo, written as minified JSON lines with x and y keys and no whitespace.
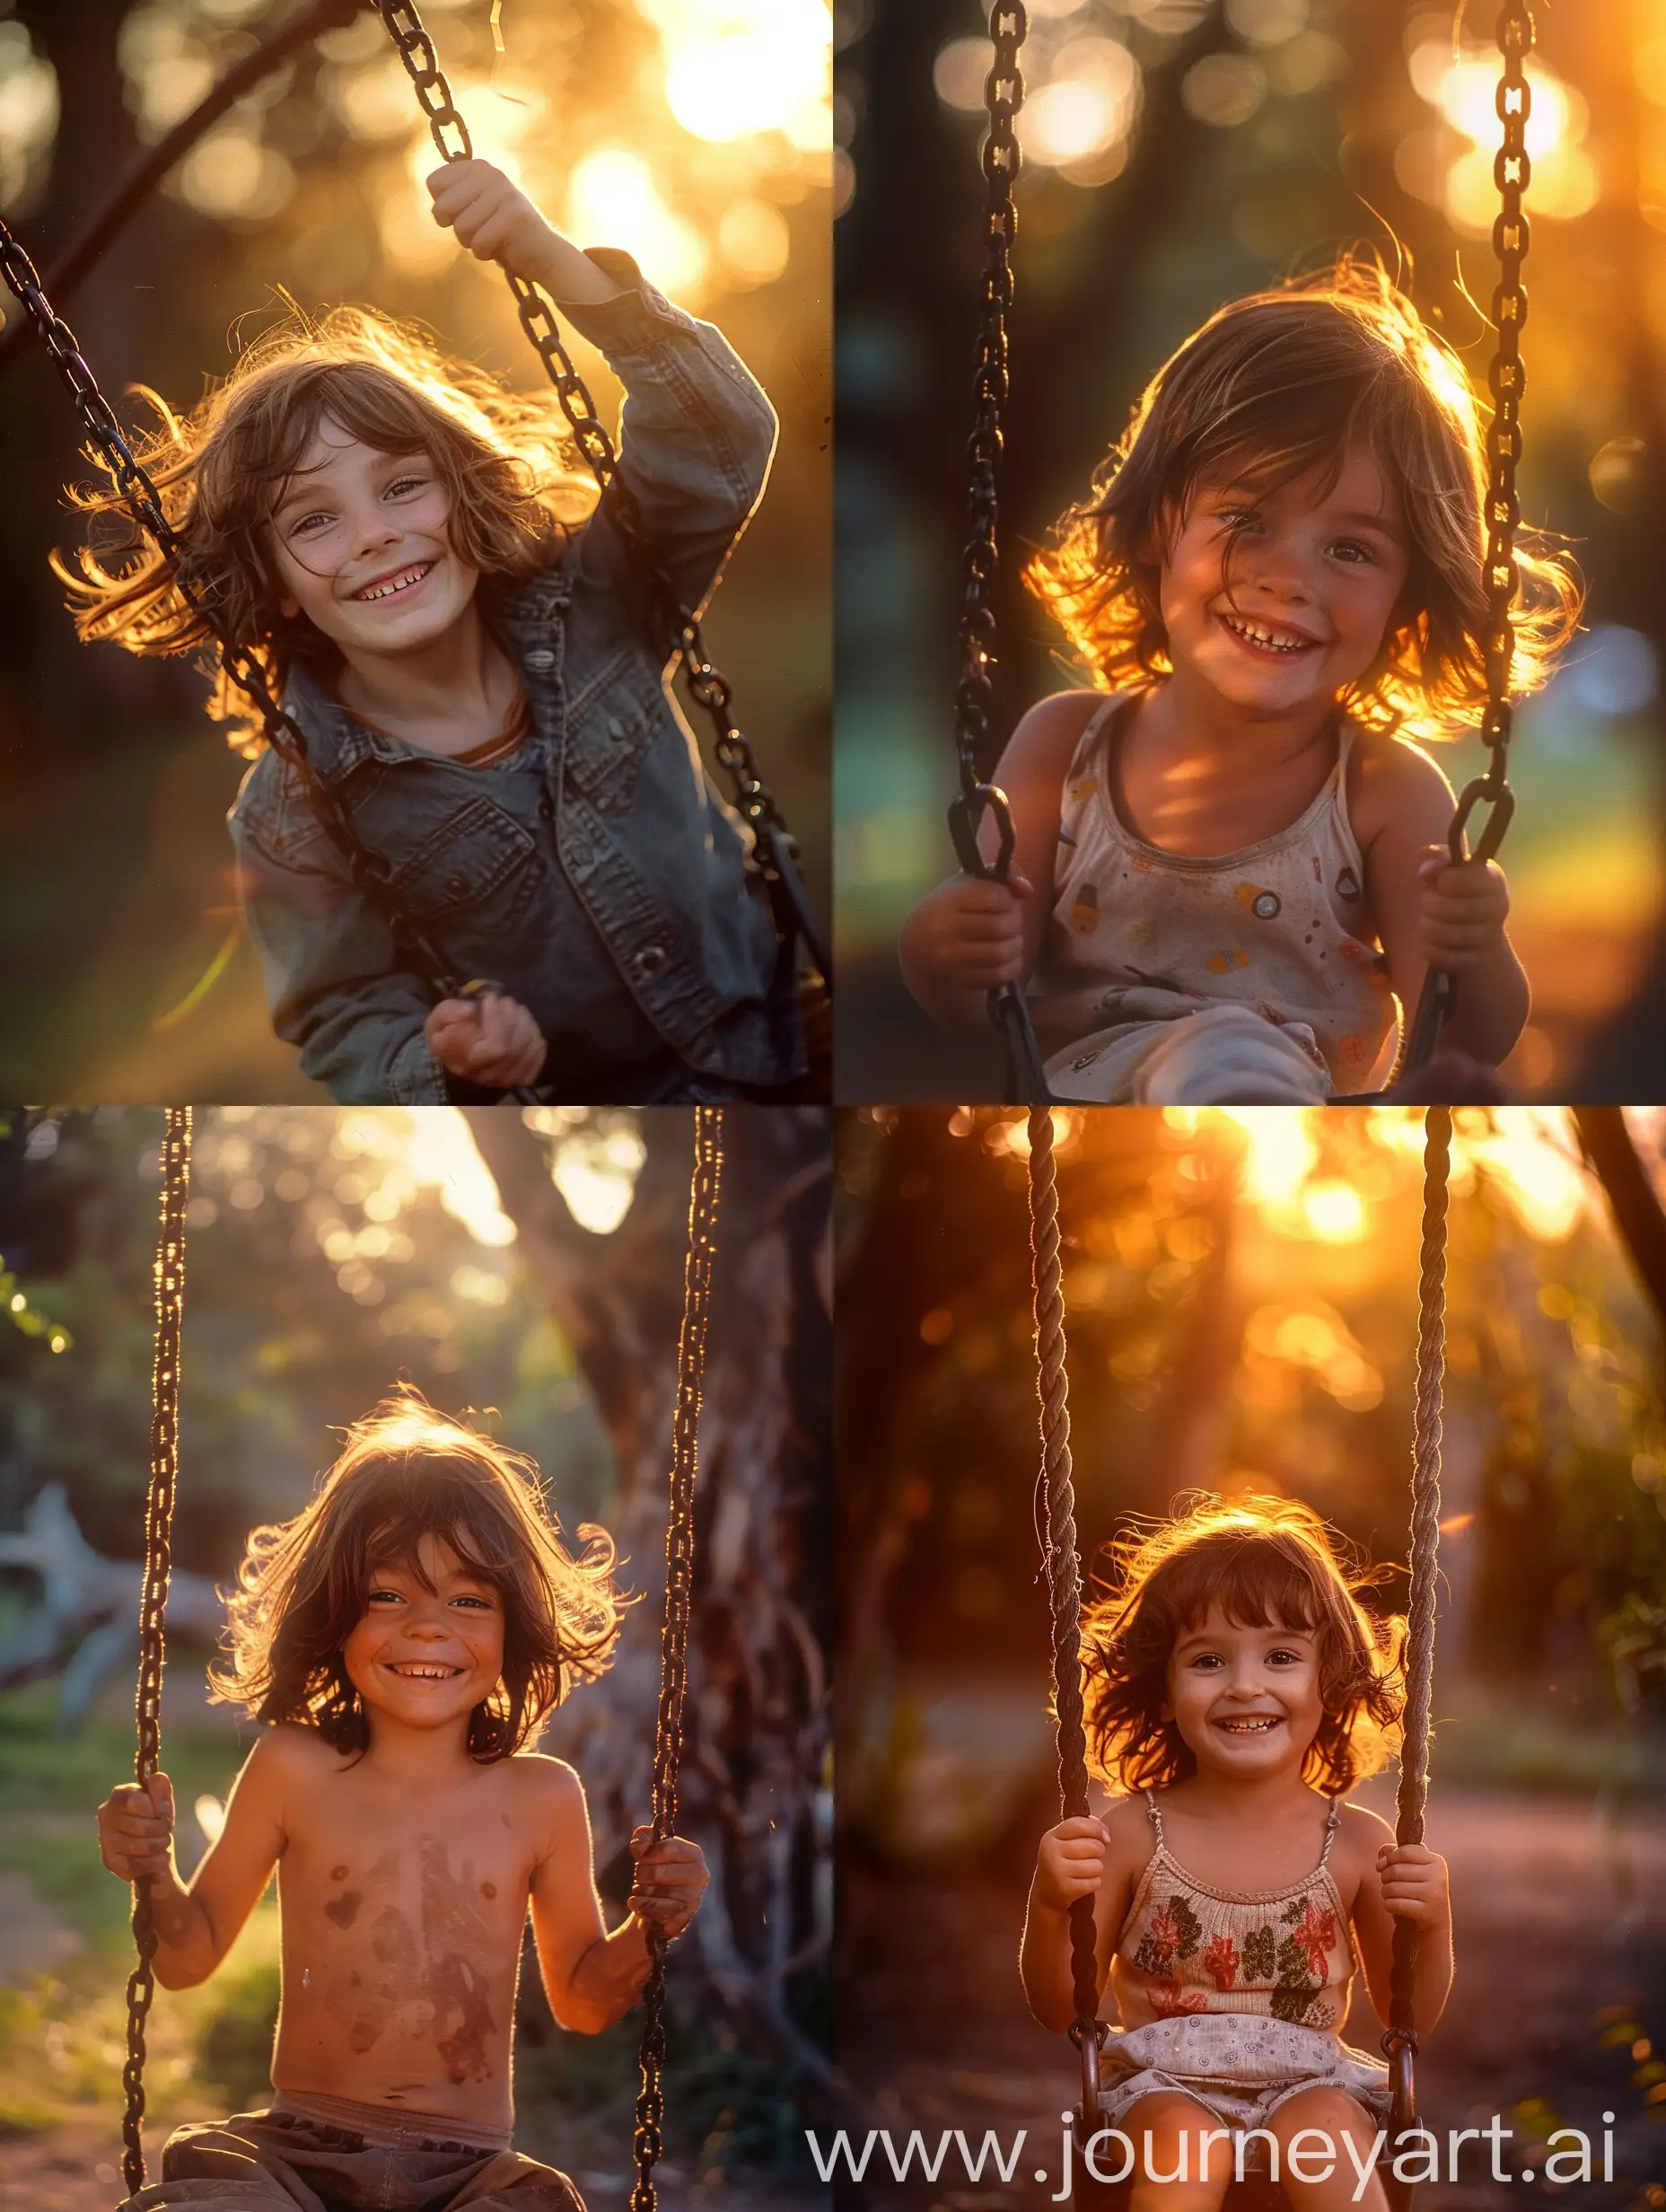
{"x":1284,"y":1658}
{"x":484,"y":1604}
{"x":1209,"y":1661}
{"x":318,"y":516}
{"x":1351,"y":550}
{"x":391,"y":1596}
{"x":403,"y":484}
{"x":1237,"y":518}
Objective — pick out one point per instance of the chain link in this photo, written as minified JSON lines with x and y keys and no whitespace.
{"x":705,"y":1191}
{"x":170,"y":1296}
{"x":774,"y":844}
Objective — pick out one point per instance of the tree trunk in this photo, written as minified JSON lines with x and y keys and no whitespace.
{"x":756,"y":1725}
{"x":1637,"y":1208}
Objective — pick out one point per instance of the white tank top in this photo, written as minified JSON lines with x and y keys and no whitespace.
{"x":1139,"y":934}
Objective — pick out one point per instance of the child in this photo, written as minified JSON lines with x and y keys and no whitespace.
{"x":1237,"y":1690}
{"x":1228,"y":870}
{"x":401,"y":1641}
{"x":478,"y":676}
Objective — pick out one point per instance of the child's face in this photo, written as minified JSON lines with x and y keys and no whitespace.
{"x":1314,"y":578}
{"x":1246,"y":1701}
{"x":362,"y":546}
{"x":426,"y":1658}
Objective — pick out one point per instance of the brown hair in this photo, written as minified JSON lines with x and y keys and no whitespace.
{"x":220,"y":469}
{"x":1270,"y":387}
{"x":1266,"y":1562}
{"x":407,"y":1471}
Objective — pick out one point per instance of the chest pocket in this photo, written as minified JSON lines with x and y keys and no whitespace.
{"x":474,"y":859}
{"x":610,"y":724}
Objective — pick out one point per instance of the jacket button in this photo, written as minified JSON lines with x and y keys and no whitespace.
{"x":650,"y":959}
{"x":545,"y":808}
{"x":616,"y":728}
{"x":456,"y":885}
{"x":541,"y":660}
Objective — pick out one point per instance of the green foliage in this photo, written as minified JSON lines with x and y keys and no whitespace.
{"x":234,"y":2044}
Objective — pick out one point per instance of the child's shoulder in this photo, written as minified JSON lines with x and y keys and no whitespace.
{"x":1127,"y":1822}
{"x":544,"y":1780}
{"x":1392,"y":781}
{"x":1361,"y":1834}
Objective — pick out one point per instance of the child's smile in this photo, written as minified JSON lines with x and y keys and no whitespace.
{"x":363,"y":549}
{"x":1276,"y":601}
{"x":1246,"y":1700}
{"x":430,"y":1644}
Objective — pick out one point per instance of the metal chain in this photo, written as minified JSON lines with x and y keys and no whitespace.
{"x":1500,"y":575}
{"x":371,"y":872}
{"x":1399,"y":2044}
{"x":976,"y":799}
{"x":1064,"y":1573}
{"x":773,"y":844}
{"x":704,"y":1195}
{"x":169,"y":1297}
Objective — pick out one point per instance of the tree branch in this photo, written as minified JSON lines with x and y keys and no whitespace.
{"x":1632,"y":1199}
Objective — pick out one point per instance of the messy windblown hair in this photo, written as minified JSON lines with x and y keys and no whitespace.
{"x":1271,"y":388}
{"x":221,"y":470}
{"x":1265,"y":1562}
{"x":407,"y":1471}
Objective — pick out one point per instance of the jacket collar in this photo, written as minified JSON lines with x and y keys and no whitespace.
{"x":525,"y":620}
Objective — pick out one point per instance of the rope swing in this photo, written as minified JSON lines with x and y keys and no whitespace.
{"x":704,"y":1190}
{"x":979,"y":800}
{"x":1063,"y":1574}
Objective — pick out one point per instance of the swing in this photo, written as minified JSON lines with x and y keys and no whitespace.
{"x":705,"y":1189}
{"x":1063,"y":1569}
{"x":774,"y":848}
{"x":979,"y":800}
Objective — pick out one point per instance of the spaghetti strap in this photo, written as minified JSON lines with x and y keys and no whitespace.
{"x":1331,"y":1826}
{"x":1156,"y":1817}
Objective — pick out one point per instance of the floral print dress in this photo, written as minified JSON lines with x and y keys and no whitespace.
{"x":1236,"y":1999}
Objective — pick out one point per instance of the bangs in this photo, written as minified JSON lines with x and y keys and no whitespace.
{"x":266,"y":437}
{"x":1256,"y":1582}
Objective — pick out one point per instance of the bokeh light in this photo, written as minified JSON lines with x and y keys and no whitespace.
{"x":1463,"y":87}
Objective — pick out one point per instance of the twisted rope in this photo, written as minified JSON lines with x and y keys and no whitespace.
{"x":1399,"y":2043}
{"x":169,"y":1295}
{"x":705,"y":1189}
{"x":1060,"y":1558}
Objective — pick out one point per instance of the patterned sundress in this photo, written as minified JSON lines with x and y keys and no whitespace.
{"x":1235,"y":1998}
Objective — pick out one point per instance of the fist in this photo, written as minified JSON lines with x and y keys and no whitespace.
{"x":971,"y":931}
{"x":1414,"y":1883}
{"x":136,"y":1828}
{"x":494,"y":218}
{"x":669,"y":1881}
{"x":1464,"y":910}
{"x":491,"y":1040}
{"x":1070,"y":1863}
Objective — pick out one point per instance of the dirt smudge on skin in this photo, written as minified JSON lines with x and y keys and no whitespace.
{"x":456,"y":1939}
{"x":344,"y":1910}
{"x":489,"y":1889}
{"x":337,"y":1874}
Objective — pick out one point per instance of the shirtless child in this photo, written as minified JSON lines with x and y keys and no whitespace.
{"x":401,"y":1640}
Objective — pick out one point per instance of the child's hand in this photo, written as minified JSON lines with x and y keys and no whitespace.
{"x":491,"y":1040}
{"x":670,"y":1880}
{"x":970,"y":931}
{"x":1414,"y":1883}
{"x":494,"y":218}
{"x":136,"y":1828}
{"x":1070,"y":1863}
{"x":1464,"y":910}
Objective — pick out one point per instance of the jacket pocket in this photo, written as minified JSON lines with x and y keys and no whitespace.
{"x":612,"y":722}
{"x":465,"y":863}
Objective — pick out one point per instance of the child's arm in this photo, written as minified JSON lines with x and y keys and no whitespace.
{"x":1404,"y":1882}
{"x":1097,"y":1858}
{"x":696,"y":435}
{"x":196,"y":1923}
{"x":593,"y":1977}
{"x":1429,"y":913}
{"x":968,"y":937}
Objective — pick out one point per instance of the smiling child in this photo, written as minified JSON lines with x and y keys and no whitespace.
{"x":1230,"y":859}
{"x":402,"y":1641}
{"x":476,"y":660}
{"x":1236,"y":1690}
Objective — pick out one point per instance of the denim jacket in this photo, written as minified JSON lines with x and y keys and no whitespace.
{"x":596,"y":877}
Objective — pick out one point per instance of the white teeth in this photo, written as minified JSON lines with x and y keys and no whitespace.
{"x":1257,"y":1726}
{"x":1270,"y":641}
{"x":395,"y":583}
{"x":425,"y":1674}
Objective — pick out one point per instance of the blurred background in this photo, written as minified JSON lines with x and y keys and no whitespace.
{"x":1242,"y":1299}
{"x":524,"y":1270}
{"x":694,"y":133}
{"x":1179,"y":153}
